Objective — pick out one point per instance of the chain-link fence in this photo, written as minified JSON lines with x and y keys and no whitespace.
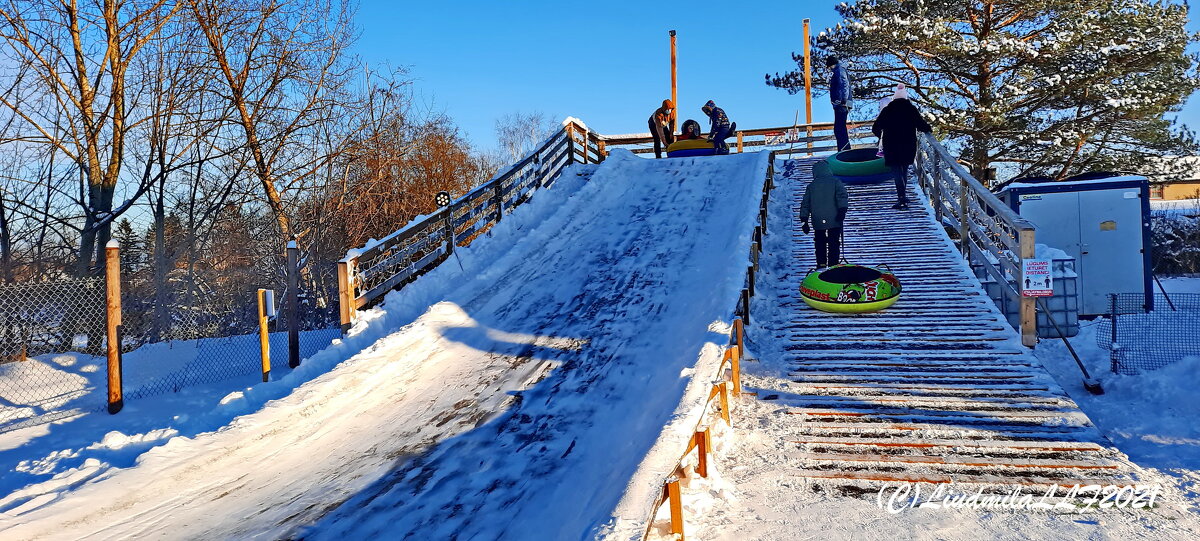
{"x":1140,"y":338}
{"x":52,"y":338}
{"x":41,"y":326}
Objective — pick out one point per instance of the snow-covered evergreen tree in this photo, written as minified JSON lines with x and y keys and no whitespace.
{"x":1049,"y":87}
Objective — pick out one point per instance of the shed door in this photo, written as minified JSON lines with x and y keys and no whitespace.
{"x":1110,"y":225}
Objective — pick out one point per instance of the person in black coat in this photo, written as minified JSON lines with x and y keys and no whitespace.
{"x":897,"y":128}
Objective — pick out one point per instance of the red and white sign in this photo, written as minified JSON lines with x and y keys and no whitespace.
{"x":1036,"y":279}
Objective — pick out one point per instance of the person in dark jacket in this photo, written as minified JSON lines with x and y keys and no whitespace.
{"x":662,"y":127}
{"x":897,"y":127}
{"x":825,"y":202}
{"x":720,"y":129}
{"x":839,"y":97}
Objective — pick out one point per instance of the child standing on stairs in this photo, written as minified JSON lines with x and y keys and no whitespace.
{"x":825,"y":201}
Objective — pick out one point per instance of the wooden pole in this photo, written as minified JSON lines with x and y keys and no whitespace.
{"x":807,"y":86}
{"x":1025,"y":239}
{"x":675,"y":501}
{"x":674,"y":77}
{"x":345,"y":294}
{"x":703,"y":443}
{"x":112,"y":282}
{"x":293,"y":303}
{"x":264,"y":344}
{"x":739,"y":136}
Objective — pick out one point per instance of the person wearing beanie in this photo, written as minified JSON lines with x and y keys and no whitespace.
{"x":662,"y":127}
{"x":840,"y":98}
{"x":825,"y":202}
{"x":897,"y":127}
{"x":720,"y":127}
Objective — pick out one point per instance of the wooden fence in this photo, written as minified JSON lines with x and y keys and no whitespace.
{"x":803,"y":138}
{"x":727,"y":383}
{"x":367,"y":274}
{"x":991,"y":234}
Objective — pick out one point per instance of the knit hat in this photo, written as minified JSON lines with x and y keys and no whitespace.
{"x":668,"y":104}
{"x":901,"y":92}
{"x":708,"y":106}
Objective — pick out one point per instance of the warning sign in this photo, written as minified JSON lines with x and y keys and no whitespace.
{"x":1036,"y":280}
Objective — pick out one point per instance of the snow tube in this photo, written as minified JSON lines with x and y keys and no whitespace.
{"x":690,"y":147}
{"x":850,"y":289}
{"x":859,"y":162}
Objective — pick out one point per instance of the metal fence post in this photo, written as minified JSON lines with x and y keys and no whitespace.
{"x":1113,"y":346}
{"x":112,"y":281}
{"x":293,"y":303}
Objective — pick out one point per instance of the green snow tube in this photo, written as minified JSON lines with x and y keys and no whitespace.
{"x":858,"y":166}
{"x":850,"y":289}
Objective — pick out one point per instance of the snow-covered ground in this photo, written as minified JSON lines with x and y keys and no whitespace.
{"x":511,"y":397}
{"x":1152,"y":416}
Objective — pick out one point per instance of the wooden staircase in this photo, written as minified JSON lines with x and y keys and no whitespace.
{"x":935,"y":389}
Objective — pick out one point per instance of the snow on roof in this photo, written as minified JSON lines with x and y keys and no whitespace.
{"x":1121,"y":178}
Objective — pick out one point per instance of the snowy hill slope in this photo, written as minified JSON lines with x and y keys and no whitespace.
{"x":512,"y":397}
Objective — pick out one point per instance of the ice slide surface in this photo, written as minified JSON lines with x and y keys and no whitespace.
{"x":513,"y":397}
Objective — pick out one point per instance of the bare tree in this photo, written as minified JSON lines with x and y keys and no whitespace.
{"x":520,"y":133}
{"x":78,"y":57}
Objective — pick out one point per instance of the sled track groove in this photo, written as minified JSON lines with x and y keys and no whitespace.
{"x":935,"y":389}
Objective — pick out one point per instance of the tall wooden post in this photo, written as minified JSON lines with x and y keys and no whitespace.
{"x":112,"y":334}
{"x":807,"y":87}
{"x":1025,"y":239}
{"x":345,"y":269}
{"x":674,"y":76}
{"x":293,"y":303}
{"x":264,"y":343}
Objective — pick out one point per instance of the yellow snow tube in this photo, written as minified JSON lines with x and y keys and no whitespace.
{"x":690,"y":147}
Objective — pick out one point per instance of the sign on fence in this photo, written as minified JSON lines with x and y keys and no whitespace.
{"x":1036,"y":280}
{"x":782,"y":138}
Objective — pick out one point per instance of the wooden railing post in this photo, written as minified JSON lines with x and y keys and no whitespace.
{"x":964,"y":216}
{"x":293,"y":303}
{"x":676,"y":504}
{"x":1028,"y":309}
{"x":585,"y":146}
{"x":600,"y":151}
{"x":703,"y":444}
{"x":570,"y":143}
{"x":739,"y":137}
{"x":935,"y":177}
{"x":346,"y":307}
{"x":112,"y":328}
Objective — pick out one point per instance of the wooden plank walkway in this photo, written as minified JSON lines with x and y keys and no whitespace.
{"x":936,"y":388}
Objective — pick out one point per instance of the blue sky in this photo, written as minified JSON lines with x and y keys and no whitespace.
{"x":607,"y":64}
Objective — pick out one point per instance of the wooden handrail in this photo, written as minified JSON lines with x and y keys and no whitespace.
{"x":365,"y":275}
{"x":991,"y":234}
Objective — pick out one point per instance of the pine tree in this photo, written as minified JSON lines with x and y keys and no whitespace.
{"x":1048,"y":87}
{"x":133,"y":252}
